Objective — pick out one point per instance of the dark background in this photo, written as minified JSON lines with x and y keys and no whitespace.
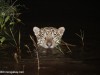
{"x":72,"y":14}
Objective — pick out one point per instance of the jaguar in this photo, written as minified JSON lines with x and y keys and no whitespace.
{"x":48,"y":37}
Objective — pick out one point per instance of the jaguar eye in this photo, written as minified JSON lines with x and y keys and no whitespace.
{"x":55,"y":34}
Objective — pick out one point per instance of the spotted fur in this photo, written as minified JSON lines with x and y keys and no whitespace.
{"x":48,"y":37}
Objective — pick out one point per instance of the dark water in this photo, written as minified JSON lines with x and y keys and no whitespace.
{"x":75,"y":63}
{"x":58,"y":66}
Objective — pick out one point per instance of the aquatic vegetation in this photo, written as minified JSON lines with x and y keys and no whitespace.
{"x":8,"y":21}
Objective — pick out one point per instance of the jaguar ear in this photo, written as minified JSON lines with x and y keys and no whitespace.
{"x":36,"y":30}
{"x":61,"y":30}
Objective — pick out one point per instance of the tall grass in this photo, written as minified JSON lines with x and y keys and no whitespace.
{"x":81,"y":36}
{"x":8,"y":20}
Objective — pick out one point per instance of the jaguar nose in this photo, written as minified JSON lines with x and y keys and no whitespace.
{"x":49,"y":44}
